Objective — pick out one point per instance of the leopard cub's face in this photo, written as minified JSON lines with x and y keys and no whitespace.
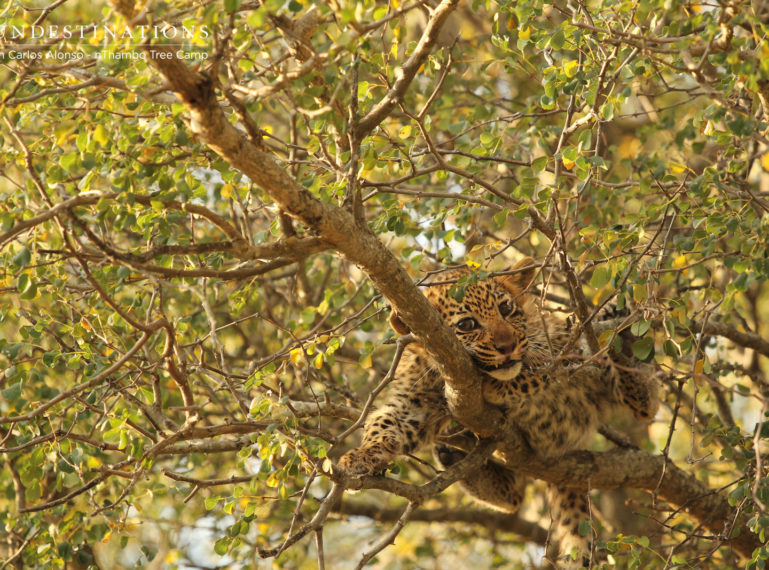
{"x":490,"y":321}
{"x":496,"y":321}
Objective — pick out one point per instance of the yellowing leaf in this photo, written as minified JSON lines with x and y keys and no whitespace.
{"x":640,"y":294}
{"x":319,"y":361}
{"x":679,"y":261}
{"x":100,"y":135}
{"x":629,"y":146}
{"x":227,"y":191}
{"x":62,"y":138}
{"x":678,"y":167}
{"x":571,"y":68}
{"x":765,"y":161}
{"x":295,"y":355}
{"x":605,"y":337}
{"x":524,"y":33}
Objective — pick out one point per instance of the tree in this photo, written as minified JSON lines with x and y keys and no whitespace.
{"x":208,"y":209}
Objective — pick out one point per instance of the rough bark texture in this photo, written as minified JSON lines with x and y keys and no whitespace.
{"x":631,"y":468}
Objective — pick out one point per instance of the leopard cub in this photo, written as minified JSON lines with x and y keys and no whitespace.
{"x":556,"y":406}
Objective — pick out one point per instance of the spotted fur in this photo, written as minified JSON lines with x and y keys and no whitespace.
{"x":554,"y":403}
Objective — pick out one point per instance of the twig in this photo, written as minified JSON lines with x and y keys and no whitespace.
{"x":388,"y":538}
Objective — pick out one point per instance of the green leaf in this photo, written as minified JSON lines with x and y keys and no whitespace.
{"x":643,"y":349}
{"x":640,"y":327}
{"x":670,"y":349}
{"x":308,"y":315}
{"x":557,"y":40}
{"x":12,"y":393}
{"x":585,"y":528}
{"x":539,"y":164}
{"x":601,"y":276}
{"x":23,"y":257}
{"x":70,"y":161}
{"x":23,"y":283}
{"x":222,"y":545}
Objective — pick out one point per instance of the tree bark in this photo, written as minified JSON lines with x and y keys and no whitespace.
{"x":632,"y":468}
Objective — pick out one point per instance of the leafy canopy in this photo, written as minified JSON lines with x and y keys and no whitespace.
{"x":181,"y":349}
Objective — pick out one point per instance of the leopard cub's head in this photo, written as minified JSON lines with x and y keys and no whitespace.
{"x":495,"y":320}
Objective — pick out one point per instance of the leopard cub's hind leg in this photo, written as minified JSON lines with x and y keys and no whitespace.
{"x":492,"y":484}
{"x":568,"y":510}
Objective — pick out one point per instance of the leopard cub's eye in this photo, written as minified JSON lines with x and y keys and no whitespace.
{"x":506,"y":307}
{"x":467,"y":324}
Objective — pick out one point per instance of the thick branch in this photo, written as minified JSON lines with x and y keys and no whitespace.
{"x":529,"y":531}
{"x":745,"y":339}
{"x":338,"y":228}
{"x":630,"y":468}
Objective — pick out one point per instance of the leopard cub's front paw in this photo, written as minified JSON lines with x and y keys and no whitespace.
{"x":356,"y":463}
{"x":447,"y":456}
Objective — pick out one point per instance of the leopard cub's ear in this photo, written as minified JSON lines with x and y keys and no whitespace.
{"x":525,"y":271}
{"x":398,"y":325}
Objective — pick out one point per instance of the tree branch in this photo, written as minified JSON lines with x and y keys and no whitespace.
{"x":339,"y":228}
{"x":631,"y":468}
{"x":409,"y":70}
{"x":745,"y":339}
{"x":528,"y":531}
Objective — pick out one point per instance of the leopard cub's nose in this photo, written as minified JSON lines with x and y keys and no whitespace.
{"x":513,"y":348}
{"x":505,"y":340}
